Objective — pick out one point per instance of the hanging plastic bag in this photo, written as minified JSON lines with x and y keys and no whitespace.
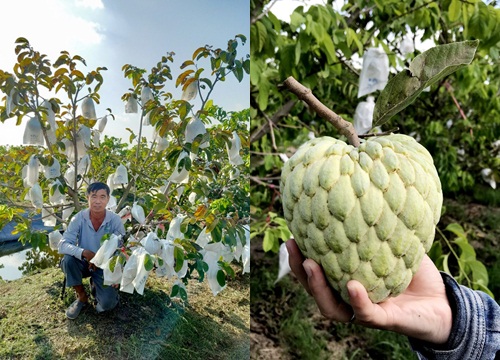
{"x":130,"y":271}
{"x":167,"y":255}
{"x":180,"y":177}
{"x":151,"y":243}
{"x":138,"y":213}
{"x":85,"y":135}
{"x":234,"y":153}
{"x":211,"y":258}
{"x":96,"y":138}
{"x":363,"y":117}
{"x":183,"y":271}
{"x":142,"y":274}
{"x":284,"y":267}
{"x":53,"y":170}
{"x":131,"y":105}
{"x":106,"y":250}
{"x":36,"y":197}
{"x":190,"y":91}
{"x":162,"y":144}
{"x":84,"y":165}
{"x":245,"y":258}
{"x":111,"y":182}
{"x":67,"y":211}
{"x":146,"y":95}
{"x":111,"y":205}
{"x":145,"y":120}
{"x":11,"y":101}
{"x":203,"y":238}
{"x":47,"y":218}
{"x":194,"y":128}
{"x":55,"y":196}
{"x":192,"y":197}
{"x":102,"y":123}
{"x":406,"y":46}
{"x":88,"y":108}
{"x":121,"y":175}
{"x":33,"y":133}
{"x":112,"y":277}
{"x":221,"y":250}
{"x":33,"y":170}
{"x":54,"y":238}
{"x":174,"y":231}
{"x":375,"y":71}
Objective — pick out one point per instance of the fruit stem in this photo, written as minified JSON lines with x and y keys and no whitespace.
{"x":306,"y":95}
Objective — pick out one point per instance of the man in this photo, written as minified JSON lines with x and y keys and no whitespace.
{"x":79,"y":244}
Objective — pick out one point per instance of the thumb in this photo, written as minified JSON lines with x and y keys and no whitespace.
{"x":366,"y":312}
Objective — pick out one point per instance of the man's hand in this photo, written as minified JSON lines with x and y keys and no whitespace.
{"x":422,"y":311}
{"x":89,"y":255}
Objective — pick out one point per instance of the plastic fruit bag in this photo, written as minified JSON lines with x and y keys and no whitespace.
{"x":121,"y":175}
{"x":138,"y":213}
{"x":234,"y":153}
{"x":190,"y":91}
{"x":67,"y":211}
{"x":54,"y":238}
{"x":167,"y":255}
{"x":146,"y":95}
{"x":284,"y":267}
{"x":151,"y":243}
{"x":131,"y":105}
{"x":174,"y":231}
{"x":111,"y":182}
{"x":36,"y":197}
{"x":85,"y":135}
{"x":53,"y":170}
{"x":33,"y":170}
{"x":130,"y":271}
{"x":142,"y":274}
{"x":55,"y":196}
{"x":111,"y":205}
{"x":88,"y":108}
{"x":102,"y":123}
{"x":96,"y":138}
{"x":375,"y":71}
{"x":407,"y":46}
{"x":106,"y":250}
{"x":47,"y":218}
{"x":33,"y":133}
{"x":194,"y":128}
{"x":363,"y":117}
{"x":211,"y":258}
{"x":84,"y":165}
{"x":112,"y":277}
{"x":182,"y":176}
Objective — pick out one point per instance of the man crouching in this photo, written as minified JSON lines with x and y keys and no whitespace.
{"x":79,"y":244}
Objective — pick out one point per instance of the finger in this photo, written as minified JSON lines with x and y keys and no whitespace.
{"x":366,"y":312}
{"x":329,"y":305}
{"x":295,"y":260}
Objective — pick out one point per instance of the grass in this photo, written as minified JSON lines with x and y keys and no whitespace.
{"x":153,"y":326}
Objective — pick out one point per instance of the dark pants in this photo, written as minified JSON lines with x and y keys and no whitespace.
{"x":76,"y":269}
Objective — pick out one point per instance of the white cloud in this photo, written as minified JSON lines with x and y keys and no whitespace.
{"x":91,"y":4}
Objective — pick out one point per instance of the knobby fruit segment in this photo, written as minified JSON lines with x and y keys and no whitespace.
{"x":366,"y":213}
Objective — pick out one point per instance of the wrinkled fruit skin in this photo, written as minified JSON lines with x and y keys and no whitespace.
{"x":366,"y":213}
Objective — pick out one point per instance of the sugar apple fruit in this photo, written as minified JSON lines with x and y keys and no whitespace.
{"x":366,"y":213}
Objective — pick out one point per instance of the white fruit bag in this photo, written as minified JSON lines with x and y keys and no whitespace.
{"x":234,"y":153}
{"x":130,"y":271}
{"x":85,"y":134}
{"x":54,"y":238}
{"x":190,"y":92}
{"x":180,"y":177}
{"x":131,"y":106}
{"x":194,"y":128}
{"x":167,"y":255}
{"x":203,"y":238}
{"x":111,"y":182}
{"x":88,"y":108}
{"x":138,"y":213}
{"x":55,"y":196}
{"x":146,"y":95}
{"x":47,"y":218}
{"x":407,"y":46}
{"x":111,"y":205}
{"x":284,"y":267}
{"x":375,"y":71}
{"x":142,"y":274}
{"x":67,"y":211}
{"x":221,"y":250}
{"x":84,"y":165}
{"x":211,"y":258}
{"x":174,"y":231}
{"x":96,"y":138}
{"x":363,"y":117}
{"x":162,"y":144}
{"x":102,"y":123}
{"x":33,"y":133}
{"x":151,"y":243}
{"x":53,"y":170}
{"x":33,"y":170}
{"x":112,"y":277}
{"x":36,"y":197}
{"x":106,"y":250}
{"x":51,"y":117}
{"x":121,"y":175}
{"x":245,"y":258}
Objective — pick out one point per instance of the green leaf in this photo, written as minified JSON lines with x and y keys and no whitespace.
{"x":221,"y":278}
{"x":175,"y":291}
{"x":148,"y":262}
{"x":269,"y":240}
{"x":426,"y":69}
{"x":457,"y":229}
{"x":261,"y":35}
{"x":179,"y":258}
{"x":454,"y":10}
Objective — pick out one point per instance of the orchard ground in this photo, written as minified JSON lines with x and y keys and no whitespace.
{"x":286,"y":324}
{"x":33,"y":324}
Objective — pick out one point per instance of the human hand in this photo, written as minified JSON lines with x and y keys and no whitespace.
{"x":422,"y":311}
{"x":89,"y":255}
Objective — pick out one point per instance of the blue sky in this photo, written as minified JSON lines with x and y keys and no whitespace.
{"x":112,"y":33}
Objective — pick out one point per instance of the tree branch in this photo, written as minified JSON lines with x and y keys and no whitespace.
{"x":283,"y":111}
{"x":306,"y":95}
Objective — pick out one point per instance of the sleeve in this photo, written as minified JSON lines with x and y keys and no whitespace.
{"x":68,"y":244}
{"x":475,"y":332}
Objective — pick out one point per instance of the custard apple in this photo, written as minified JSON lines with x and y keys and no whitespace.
{"x":366,"y":213}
